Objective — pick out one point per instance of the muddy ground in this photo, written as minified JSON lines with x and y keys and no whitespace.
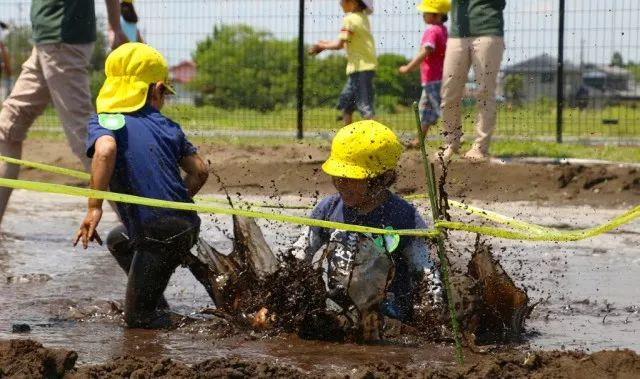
{"x":26,"y":358}
{"x":295,"y":170}
{"x":78,"y":308}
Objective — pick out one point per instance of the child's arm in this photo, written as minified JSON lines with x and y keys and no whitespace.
{"x":326,"y":45}
{"x":113,"y":17}
{"x":424,"y":52}
{"x":197,"y":173}
{"x":102,"y":165}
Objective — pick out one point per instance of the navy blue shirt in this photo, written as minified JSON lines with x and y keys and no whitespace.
{"x":411,"y":257}
{"x":149,"y":149}
{"x":394,"y":212}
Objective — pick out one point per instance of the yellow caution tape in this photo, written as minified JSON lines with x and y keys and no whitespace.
{"x":119,"y":197}
{"x":525,"y":231}
{"x":48,"y":168}
{"x":550,"y":234}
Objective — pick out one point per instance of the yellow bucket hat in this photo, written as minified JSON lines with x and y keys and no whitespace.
{"x":130,"y":69}
{"x":434,"y":6}
{"x":362,"y":150}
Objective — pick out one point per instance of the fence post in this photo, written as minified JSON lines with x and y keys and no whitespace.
{"x":560,"y":75}
{"x":300,"y":80}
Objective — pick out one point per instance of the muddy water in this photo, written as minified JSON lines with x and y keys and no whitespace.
{"x":71,"y":306}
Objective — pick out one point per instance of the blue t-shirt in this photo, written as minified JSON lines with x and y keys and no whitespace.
{"x":394,"y":212}
{"x":149,"y":149}
{"x":411,"y":257}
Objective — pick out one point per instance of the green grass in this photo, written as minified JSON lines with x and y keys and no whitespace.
{"x":519,"y":131}
{"x":536,"y":120}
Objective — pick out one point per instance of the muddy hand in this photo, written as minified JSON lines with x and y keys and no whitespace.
{"x":87,"y":231}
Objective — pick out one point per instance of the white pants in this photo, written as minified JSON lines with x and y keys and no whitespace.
{"x":485,"y":54}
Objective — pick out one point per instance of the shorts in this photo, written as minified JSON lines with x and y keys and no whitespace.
{"x":358,"y":94}
{"x":429,"y":104}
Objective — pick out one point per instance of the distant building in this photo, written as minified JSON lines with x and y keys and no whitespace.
{"x":180,"y":75}
{"x":540,"y":77}
{"x":609,"y":85}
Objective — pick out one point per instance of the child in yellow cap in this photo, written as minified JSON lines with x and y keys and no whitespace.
{"x":362,"y":166}
{"x":355,"y":36}
{"x":430,"y":58}
{"x":138,"y":151}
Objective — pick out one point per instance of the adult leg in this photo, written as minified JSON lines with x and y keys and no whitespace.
{"x":457,"y":62}
{"x":486,"y":55}
{"x":26,"y":102}
{"x":65,"y":67}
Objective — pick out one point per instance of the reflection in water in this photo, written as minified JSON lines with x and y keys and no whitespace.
{"x":576,"y":281}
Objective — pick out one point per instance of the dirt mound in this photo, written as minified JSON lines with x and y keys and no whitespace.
{"x":29,"y":359}
{"x":25,"y":358}
{"x":295,"y":169}
{"x":555,"y":364}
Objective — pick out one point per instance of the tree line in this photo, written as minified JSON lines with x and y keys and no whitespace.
{"x":240,"y":67}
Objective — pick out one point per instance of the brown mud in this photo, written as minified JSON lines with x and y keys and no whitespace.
{"x":410,"y":352}
{"x":26,"y":358}
{"x":294,"y":169}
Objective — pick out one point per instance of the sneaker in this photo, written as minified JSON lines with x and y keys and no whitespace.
{"x":476,"y":154}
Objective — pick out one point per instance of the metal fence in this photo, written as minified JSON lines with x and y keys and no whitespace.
{"x":570,"y":70}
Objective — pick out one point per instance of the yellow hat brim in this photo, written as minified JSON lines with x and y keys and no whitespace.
{"x":340,"y":169}
{"x":122,"y":94}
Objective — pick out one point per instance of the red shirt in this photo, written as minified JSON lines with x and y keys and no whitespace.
{"x":431,"y":68}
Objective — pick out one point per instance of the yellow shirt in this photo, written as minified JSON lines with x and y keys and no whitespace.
{"x":361,"y":50}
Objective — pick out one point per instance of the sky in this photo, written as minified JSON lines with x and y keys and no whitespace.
{"x":594,"y":29}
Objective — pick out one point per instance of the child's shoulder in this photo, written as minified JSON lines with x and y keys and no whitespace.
{"x":326,"y":205}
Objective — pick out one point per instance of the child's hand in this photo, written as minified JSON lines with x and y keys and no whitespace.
{"x":404,"y":69}
{"x":87,"y":231}
{"x":315,"y":49}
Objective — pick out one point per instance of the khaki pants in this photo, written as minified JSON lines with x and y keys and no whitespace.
{"x":485,"y":54}
{"x":57,"y":73}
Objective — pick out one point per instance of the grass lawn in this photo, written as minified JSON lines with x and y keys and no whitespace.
{"x":499,"y":148}
{"x":525,"y":131}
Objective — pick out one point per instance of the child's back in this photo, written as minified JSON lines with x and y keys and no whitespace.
{"x":360,"y":47}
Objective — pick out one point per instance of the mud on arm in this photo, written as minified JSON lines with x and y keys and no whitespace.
{"x":197,"y":173}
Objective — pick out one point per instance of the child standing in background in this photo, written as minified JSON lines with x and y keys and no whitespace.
{"x":128,"y":22}
{"x":431,"y":59}
{"x":356,"y":37}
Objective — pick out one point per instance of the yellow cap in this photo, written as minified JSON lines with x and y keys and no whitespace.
{"x":130,"y":69}
{"x":434,"y":6}
{"x":364,"y":149}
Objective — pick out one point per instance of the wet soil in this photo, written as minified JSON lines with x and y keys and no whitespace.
{"x":71,"y":299}
{"x":26,"y":358}
{"x":294,"y":169}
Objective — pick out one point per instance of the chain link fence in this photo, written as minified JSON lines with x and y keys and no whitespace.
{"x":570,"y":70}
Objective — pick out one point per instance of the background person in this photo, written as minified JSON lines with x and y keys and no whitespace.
{"x":475,"y":39}
{"x":5,"y":61}
{"x":128,"y":23}
{"x":431,"y":60}
{"x":136,"y":150}
{"x":356,"y":36}
{"x":56,"y":71}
